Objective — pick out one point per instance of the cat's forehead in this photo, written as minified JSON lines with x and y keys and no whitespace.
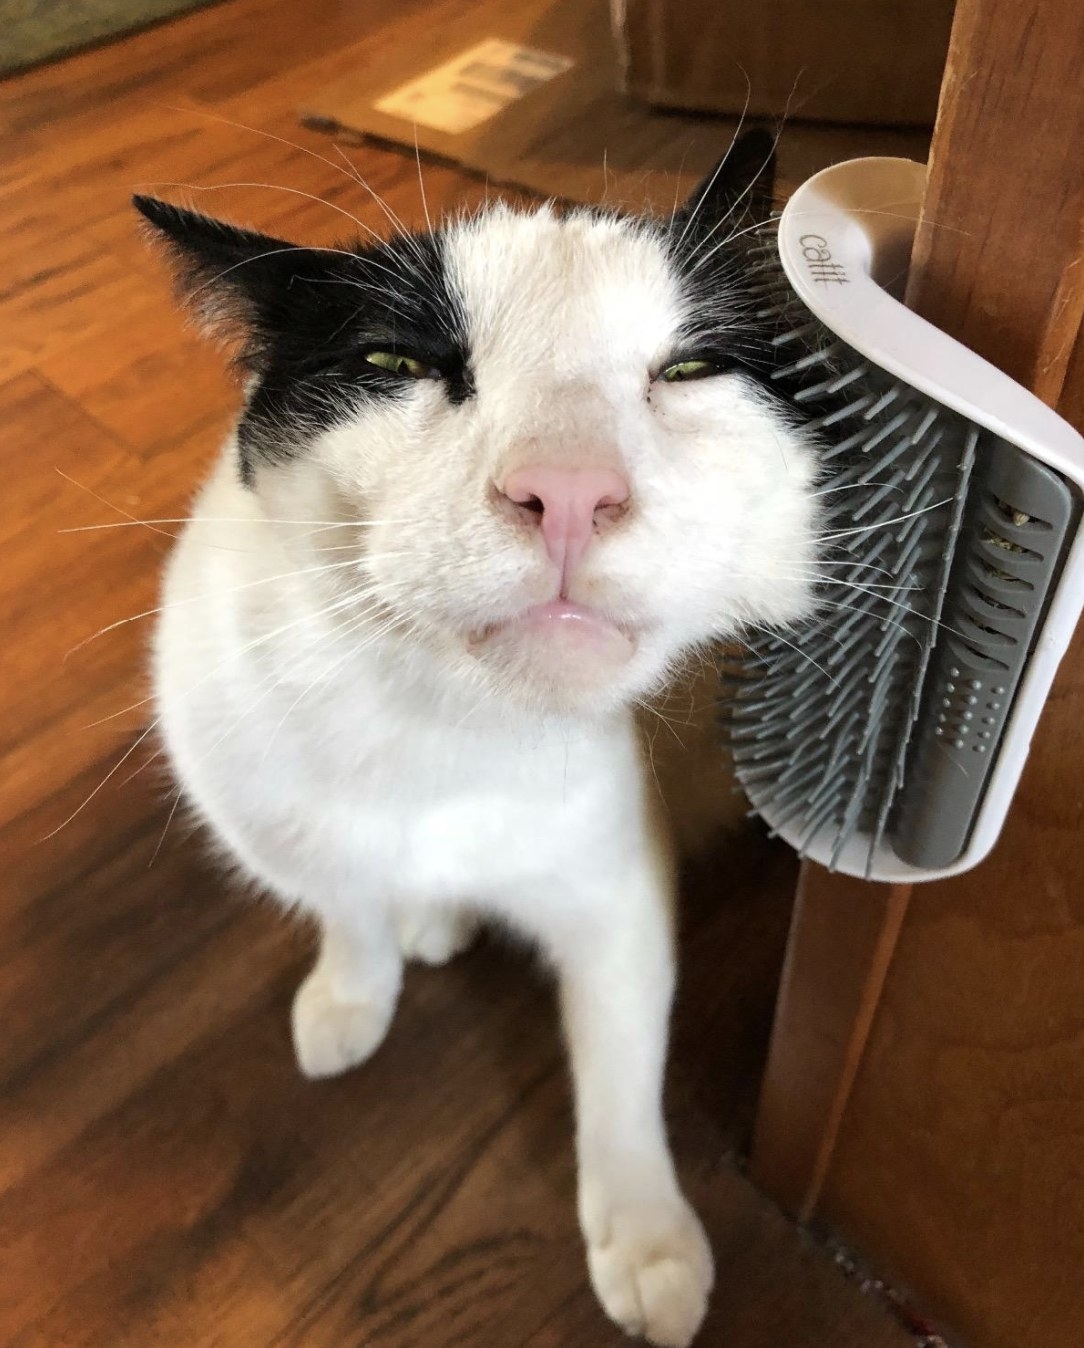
{"x":575,"y":277}
{"x":568,"y":247}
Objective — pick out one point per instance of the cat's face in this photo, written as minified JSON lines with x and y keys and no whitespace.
{"x":555,"y":429}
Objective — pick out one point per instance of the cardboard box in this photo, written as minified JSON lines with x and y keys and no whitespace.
{"x":527,"y":93}
{"x":862,"y":61}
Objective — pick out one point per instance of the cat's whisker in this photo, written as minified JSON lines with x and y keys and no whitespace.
{"x":211,"y":594}
{"x":169,"y":820}
{"x":151,"y":758}
{"x":893,"y":215}
{"x":884,"y":524}
{"x":745,"y":195}
{"x":734,"y":235}
{"x":719,"y":168}
{"x":907,"y":608}
{"x":421,"y":183}
{"x":284,"y":676}
{"x":875,"y":589}
{"x":272,"y":252}
{"x":651,"y":756}
{"x":879,"y":594}
{"x":778,"y":636}
{"x":855,"y":562}
{"x":854,"y":486}
{"x":810,"y":569}
{"x":129,"y":519}
{"x":813,"y":566}
{"x":350,"y":172}
{"x":731,"y":238}
{"x":838,"y":605}
{"x":814,"y":579}
{"x":328,"y":610}
{"x":667,"y":712}
{"x":116,"y":715}
{"x":351,"y":653}
{"x":102,"y":784}
{"x":259,"y":131}
{"x":393,"y":219}
{"x":343,"y":601}
{"x":197,"y":521}
{"x":269,"y":187}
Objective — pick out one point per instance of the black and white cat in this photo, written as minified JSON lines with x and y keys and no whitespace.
{"x":490,"y":486}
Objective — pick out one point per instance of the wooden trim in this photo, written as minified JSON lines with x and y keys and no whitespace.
{"x":998,"y":259}
{"x":1022,"y":307}
{"x":842,"y":939}
{"x":953,"y":1164}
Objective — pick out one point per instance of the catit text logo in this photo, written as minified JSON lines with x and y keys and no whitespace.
{"x":818,"y":258}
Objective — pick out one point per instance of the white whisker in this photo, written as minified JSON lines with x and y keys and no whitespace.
{"x":105,"y":780}
{"x":210,"y":594}
{"x":421,"y":184}
{"x":165,"y":830}
{"x":198,"y":520}
{"x":270,"y":187}
{"x":884,"y":524}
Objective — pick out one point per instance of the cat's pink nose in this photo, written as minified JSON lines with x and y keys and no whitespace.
{"x":568,"y":503}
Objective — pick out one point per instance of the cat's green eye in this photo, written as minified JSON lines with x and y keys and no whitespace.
{"x":688,"y":369}
{"x":404,"y":366}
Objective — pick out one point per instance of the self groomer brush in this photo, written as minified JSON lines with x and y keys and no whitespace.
{"x":885,"y":737}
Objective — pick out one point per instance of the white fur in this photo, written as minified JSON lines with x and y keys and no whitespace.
{"x":368,"y":750}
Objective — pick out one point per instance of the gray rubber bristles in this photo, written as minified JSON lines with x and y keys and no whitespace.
{"x":823,"y":718}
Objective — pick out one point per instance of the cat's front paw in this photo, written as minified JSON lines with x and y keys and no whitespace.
{"x":330,"y":1035}
{"x":651,"y":1268}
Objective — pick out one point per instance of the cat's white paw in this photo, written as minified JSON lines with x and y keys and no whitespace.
{"x":651,"y":1268}
{"x":331,"y":1035}
{"x":435,"y":935}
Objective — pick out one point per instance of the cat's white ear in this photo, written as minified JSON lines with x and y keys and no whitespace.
{"x":236,"y":281}
{"x":741,"y":185}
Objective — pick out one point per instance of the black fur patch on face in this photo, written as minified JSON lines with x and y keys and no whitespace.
{"x":304,"y":319}
{"x":717,"y":251}
{"x":396,"y":298}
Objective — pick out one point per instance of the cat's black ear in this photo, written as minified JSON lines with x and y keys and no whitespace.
{"x":237,"y":281}
{"x":741,"y":185}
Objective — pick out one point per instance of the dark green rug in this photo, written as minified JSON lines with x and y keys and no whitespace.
{"x":34,"y":30}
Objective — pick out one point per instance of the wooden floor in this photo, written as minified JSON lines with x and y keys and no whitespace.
{"x":166,"y":1177}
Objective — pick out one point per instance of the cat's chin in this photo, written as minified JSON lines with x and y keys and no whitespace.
{"x":560,"y":653}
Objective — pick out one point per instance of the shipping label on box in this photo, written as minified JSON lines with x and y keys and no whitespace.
{"x":473,"y":86}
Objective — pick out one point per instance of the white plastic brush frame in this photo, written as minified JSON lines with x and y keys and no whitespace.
{"x":843,"y":238}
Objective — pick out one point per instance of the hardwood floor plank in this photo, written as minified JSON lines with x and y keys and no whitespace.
{"x":58,"y":588}
{"x":77,"y":292}
{"x":211,"y":53}
{"x":136,"y":918}
{"x":118,"y":377}
{"x":224,"y":964}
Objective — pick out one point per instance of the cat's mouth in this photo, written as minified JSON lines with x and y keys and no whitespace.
{"x":560,"y":628}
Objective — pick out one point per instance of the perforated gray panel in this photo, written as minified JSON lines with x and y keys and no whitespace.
{"x":1007,"y":559}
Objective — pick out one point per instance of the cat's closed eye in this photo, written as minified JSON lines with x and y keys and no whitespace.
{"x":406,"y":367}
